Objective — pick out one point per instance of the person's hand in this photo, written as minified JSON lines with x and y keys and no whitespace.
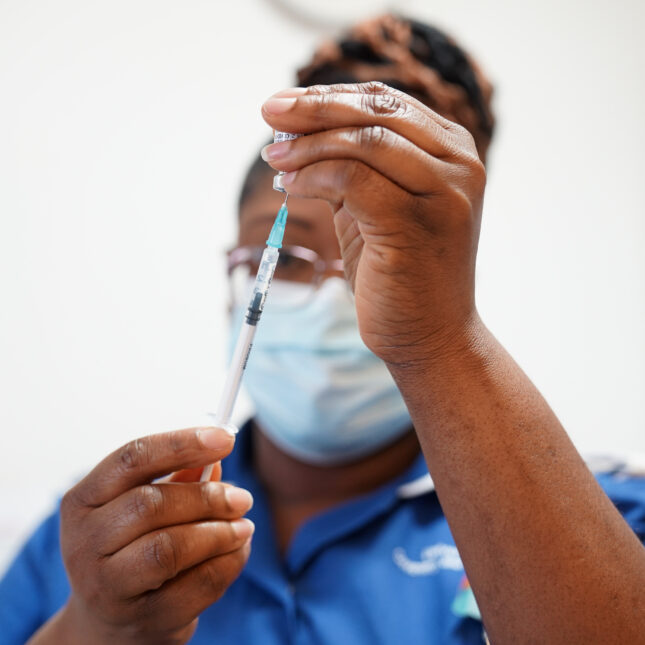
{"x":145,"y":559}
{"x":406,"y":188}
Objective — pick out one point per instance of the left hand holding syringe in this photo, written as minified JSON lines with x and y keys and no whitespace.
{"x":145,"y":557}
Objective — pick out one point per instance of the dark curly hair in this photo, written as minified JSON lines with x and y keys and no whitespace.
{"x":408,"y":55}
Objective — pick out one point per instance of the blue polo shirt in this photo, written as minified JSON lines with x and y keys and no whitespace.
{"x":382,"y":568}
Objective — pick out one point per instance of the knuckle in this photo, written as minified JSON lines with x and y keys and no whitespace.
{"x":374,"y":87}
{"x":210,"y":577}
{"x":70,"y":502}
{"x":177,"y":442}
{"x":384,"y":103}
{"x":179,"y":445}
{"x":321,"y":90}
{"x":471,"y":174}
{"x":79,"y":497}
{"x":324,"y":99}
{"x":459,"y":130}
{"x":211,"y":494}
{"x":230,"y":538}
{"x":147,"y":501}
{"x":461,"y":145}
{"x":134,"y":455}
{"x":478,"y":174}
{"x":467,"y":146}
{"x":371,"y":137}
{"x":162,"y":553}
{"x":219,"y":573}
{"x":460,"y":207}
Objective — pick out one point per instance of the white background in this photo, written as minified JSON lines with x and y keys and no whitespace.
{"x":125,"y":127}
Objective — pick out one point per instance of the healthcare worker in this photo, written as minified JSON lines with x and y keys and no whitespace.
{"x":357,"y":397}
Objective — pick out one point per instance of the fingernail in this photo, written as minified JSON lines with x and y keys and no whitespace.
{"x":289,"y":92}
{"x":243,"y":528}
{"x":287,"y":179}
{"x":214,"y":438}
{"x":279,"y":106}
{"x":274,"y":151}
{"x":238,"y":499}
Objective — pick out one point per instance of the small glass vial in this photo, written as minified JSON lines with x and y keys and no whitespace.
{"x":277,"y":137}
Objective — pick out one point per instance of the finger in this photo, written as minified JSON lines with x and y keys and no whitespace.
{"x":195,"y":474}
{"x":193,"y":591}
{"x":368,"y":196}
{"x":143,"y":460}
{"x":149,"y":507}
{"x":186,"y":475}
{"x":387,"y":152}
{"x":322,"y":107}
{"x":157,"y":557}
{"x":216,"y":473}
{"x":389,"y":219}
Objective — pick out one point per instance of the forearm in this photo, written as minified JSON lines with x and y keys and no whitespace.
{"x":548,"y":556}
{"x":60,"y":628}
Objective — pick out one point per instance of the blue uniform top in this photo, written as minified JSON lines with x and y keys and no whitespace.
{"x":382,"y":568}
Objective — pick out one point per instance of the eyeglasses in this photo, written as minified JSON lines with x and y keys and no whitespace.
{"x":301,"y":267}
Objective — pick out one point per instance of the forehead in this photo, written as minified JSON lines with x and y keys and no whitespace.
{"x":310,"y":222}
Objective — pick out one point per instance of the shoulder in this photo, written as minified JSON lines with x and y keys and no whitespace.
{"x":623,"y":480}
{"x":42,"y":546}
{"x":45,"y":540}
{"x":35,"y":585}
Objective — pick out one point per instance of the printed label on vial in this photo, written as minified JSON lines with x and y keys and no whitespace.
{"x":284,"y":136}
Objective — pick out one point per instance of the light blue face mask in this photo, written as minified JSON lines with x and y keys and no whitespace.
{"x":319,"y":393}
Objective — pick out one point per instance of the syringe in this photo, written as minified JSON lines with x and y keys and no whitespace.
{"x":222,"y":419}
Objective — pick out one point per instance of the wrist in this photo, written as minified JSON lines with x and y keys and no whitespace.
{"x":460,"y":343}
{"x":72,"y":626}
{"x":76,"y":626}
{"x":451,"y":379}
{"x":62,"y":627}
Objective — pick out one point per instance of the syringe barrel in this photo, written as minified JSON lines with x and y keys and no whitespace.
{"x":235,"y":371}
{"x":267,"y":268}
{"x":262,"y":283}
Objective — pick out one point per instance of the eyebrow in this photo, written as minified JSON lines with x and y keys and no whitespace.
{"x":294,"y":220}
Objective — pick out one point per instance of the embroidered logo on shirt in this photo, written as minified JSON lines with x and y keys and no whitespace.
{"x":464,"y":603}
{"x":433,"y":558}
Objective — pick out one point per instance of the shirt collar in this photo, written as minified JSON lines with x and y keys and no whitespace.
{"x":268,"y":570}
{"x":416,"y":487}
